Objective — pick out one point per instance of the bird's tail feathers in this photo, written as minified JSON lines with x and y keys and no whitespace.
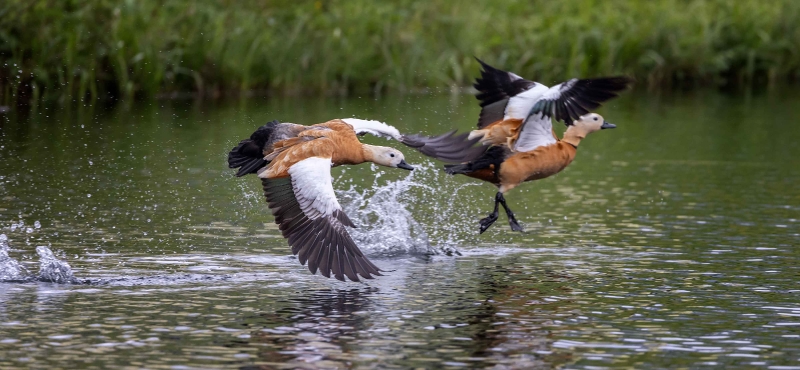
{"x":455,"y":169}
{"x":248,"y":156}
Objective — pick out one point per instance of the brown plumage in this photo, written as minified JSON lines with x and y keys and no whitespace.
{"x":515,"y":125}
{"x":333,"y":139}
{"x":294,"y":161}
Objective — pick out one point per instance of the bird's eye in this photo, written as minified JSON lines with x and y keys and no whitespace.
{"x":595,"y":118}
{"x":391,"y":155}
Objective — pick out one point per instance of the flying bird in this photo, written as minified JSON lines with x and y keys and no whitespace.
{"x":294,"y":163}
{"x":515,"y":124}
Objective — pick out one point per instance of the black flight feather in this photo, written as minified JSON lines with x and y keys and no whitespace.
{"x":447,"y":147}
{"x":323,"y":242}
{"x":495,"y":87}
{"x":495,"y":155}
{"x":579,"y":97}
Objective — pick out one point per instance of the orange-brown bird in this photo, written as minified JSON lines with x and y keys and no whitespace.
{"x":515,"y":124}
{"x":294,"y":163}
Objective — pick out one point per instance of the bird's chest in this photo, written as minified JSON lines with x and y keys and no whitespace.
{"x":546,"y":169}
{"x":536,"y":165}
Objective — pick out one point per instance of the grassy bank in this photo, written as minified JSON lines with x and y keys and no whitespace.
{"x":89,"y":49}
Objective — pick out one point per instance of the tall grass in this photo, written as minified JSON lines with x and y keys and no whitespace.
{"x":90,"y":49}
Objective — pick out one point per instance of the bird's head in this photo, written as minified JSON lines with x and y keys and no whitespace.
{"x":591,"y":122}
{"x":385,"y":156}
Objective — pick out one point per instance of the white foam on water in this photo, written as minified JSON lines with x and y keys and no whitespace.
{"x":10,"y":269}
{"x":51,"y":269}
{"x":382,"y":223}
{"x":387,"y":216}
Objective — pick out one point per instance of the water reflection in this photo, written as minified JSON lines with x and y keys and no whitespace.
{"x":506,"y":310}
{"x":319,"y":326}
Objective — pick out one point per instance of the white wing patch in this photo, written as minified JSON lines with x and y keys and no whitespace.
{"x":313,"y":188}
{"x":536,"y":131}
{"x":376,"y":128}
{"x":554,"y":93}
{"x":520,"y":105}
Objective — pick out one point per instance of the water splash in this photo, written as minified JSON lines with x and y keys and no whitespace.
{"x":416,"y":214}
{"x":382,"y":223}
{"x":51,"y":269}
{"x":10,"y":269}
{"x":388,"y":222}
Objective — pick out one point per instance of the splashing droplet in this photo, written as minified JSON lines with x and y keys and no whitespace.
{"x":10,"y":269}
{"x":52,"y":269}
{"x":384,"y":215}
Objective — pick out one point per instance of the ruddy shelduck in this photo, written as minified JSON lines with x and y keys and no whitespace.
{"x":294,"y":163}
{"x":515,"y":124}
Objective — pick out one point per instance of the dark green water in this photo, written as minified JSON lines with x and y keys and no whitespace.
{"x":670,"y":242}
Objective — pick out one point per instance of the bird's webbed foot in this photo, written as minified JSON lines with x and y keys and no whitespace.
{"x":488,"y":221}
{"x":512,"y":220}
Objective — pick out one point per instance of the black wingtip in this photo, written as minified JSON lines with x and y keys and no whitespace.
{"x":455,"y":169}
{"x":605,"y":88}
{"x":488,"y":68}
{"x":447,"y":147}
{"x":581,"y":96}
{"x":613,"y":83}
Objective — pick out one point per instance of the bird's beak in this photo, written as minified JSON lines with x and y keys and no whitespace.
{"x":607,"y":125}
{"x":404,"y":165}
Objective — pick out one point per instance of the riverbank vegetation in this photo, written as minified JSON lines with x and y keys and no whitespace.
{"x":102,"y":49}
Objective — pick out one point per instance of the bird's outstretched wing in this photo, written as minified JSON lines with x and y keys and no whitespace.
{"x":449,"y":147}
{"x":569,"y":100}
{"x":310,"y":218}
{"x":503,"y":95}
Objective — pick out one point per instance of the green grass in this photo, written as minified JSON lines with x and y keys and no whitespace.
{"x":90,"y":49}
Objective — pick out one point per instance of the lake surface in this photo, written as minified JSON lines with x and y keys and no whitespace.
{"x":670,"y":242}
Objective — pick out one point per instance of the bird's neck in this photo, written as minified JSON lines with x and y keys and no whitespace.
{"x":574,"y":135}
{"x":352,"y":154}
{"x":367,"y":153}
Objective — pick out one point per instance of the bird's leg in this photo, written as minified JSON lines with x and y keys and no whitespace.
{"x":512,"y":221}
{"x":488,"y":221}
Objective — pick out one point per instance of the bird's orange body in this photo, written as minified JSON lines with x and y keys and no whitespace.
{"x":519,"y":167}
{"x":333,"y":139}
{"x":538,"y":164}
